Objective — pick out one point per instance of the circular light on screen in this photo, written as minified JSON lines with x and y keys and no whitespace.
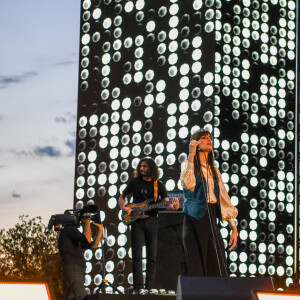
{"x":159,"y":148}
{"x":92,"y":156}
{"x":129,"y":6}
{"x":149,"y":75}
{"x":243,"y":234}
{"x":172,"y":108}
{"x":160,"y":98}
{"x":139,"y":40}
{"x":112,"y":203}
{"x":183,"y":120}
{"x":107,"y":23}
{"x":243,"y":268}
{"x":150,"y":26}
{"x":140,"y":4}
{"x":196,"y":67}
{"x":280,"y":271}
{"x":138,"y":77}
{"x":161,"y":85}
{"x":136,"y":150}
{"x":128,"y":42}
{"x":196,"y":55}
{"x":171,"y":147}
{"x":197,"y":41}
{"x":88,"y":254}
{"x":208,"y":91}
{"x":263,"y":162}
{"x":173,"y":22}
{"x":173,"y":46}
{"x":225,"y":145}
{"x":280,"y":238}
{"x":184,"y":94}
{"x":184,"y":69}
{"x":183,"y":132}
{"x":170,"y":185}
{"x":122,"y":240}
{"x":85,"y":39}
{"x":173,"y":58}
{"x":184,"y":82}
{"x":103,"y":142}
{"x":159,"y":160}
{"x":208,"y":78}
{"x":174,"y":8}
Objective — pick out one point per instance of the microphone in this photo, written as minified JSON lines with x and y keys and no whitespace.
{"x":187,"y":143}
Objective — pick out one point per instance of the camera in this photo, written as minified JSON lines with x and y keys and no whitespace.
{"x":74,"y":217}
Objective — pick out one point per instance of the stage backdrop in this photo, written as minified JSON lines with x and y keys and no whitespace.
{"x":151,"y":72}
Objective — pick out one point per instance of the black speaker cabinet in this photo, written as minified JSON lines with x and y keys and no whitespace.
{"x":220,"y":288}
{"x":170,"y":255}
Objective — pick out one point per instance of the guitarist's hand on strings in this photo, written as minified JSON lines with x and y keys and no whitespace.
{"x":174,"y":205}
{"x":125,"y":209}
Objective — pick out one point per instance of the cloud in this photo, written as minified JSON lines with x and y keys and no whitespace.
{"x":68,"y":118}
{"x":15,"y":195}
{"x":60,"y":120}
{"x":72,"y":145}
{"x":5,"y":81}
{"x":47,"y":151}
{"x":21,"y":153}
{"x":63,"y":63}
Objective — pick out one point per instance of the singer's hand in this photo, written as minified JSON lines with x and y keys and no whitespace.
{"x":233,"y":238}
{"x":193,"y":147}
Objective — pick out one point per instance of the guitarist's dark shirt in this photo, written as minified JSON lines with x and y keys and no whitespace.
{"x":142,"y":190}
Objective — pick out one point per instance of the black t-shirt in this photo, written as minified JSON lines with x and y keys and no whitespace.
{"x":143,"y":190}
{"x":70,"y":244}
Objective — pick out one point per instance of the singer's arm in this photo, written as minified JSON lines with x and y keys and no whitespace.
{"x":192,"y":150}
{"x":187,"y":176}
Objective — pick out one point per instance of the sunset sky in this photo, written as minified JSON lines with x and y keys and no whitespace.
{"x":38,"y":95}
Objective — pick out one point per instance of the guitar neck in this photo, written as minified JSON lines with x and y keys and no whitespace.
{"x":156,"y":205}
{"x":163,"y":203}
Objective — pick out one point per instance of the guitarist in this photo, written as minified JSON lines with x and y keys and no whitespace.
{"x":143,"y":186}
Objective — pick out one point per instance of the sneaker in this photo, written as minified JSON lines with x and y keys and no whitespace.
{"x":162,"y":291}
{"x":143,"y":292}
{"x":135,"y":292}
{"x":153,"y":292}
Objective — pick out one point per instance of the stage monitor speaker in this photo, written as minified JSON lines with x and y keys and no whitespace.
{"x":26,"y":290}
{"x":220,"y":288}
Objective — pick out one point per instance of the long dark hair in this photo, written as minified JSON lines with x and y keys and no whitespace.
{"x":211,"y":158}
{"x":153,"y":169}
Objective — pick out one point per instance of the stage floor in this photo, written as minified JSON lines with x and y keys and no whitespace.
{"x":135,"y":297}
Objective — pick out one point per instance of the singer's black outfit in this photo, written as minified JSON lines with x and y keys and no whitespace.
{"x":203,"y":244}
{"x":144,"y":231}
{"x":199,"y":246}
{"x":70,"y":245}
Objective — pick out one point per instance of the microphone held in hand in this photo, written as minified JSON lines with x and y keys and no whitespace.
{"x":187,"y":143}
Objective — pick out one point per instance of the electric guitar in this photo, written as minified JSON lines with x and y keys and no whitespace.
{"x":139,"y":209}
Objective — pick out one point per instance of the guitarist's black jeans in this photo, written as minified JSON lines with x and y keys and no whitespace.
{"x":144,"y":231}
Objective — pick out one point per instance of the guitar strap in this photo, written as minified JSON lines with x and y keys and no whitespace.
{"x":155,"y":191}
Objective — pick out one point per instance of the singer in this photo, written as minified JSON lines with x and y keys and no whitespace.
{"x":206,"y":199}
